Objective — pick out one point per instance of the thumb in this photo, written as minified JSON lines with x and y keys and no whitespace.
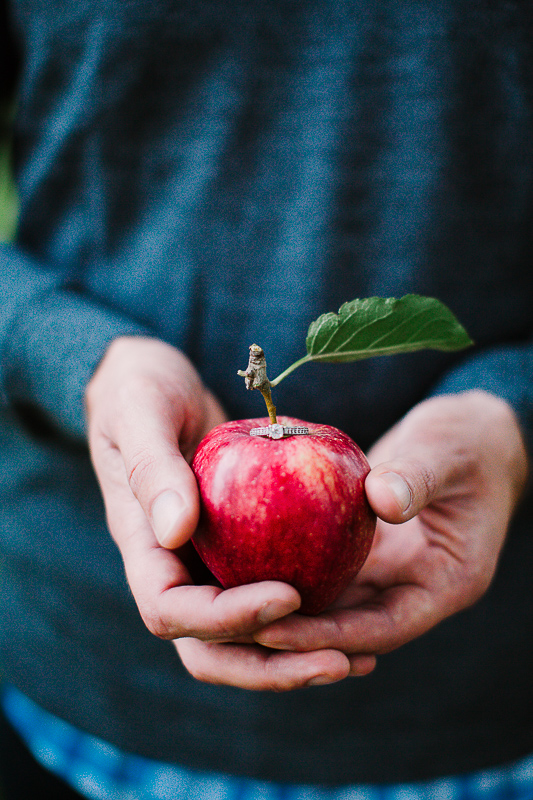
{"x":145,"y":461}
{"x":398,"y":490}
{"x":165,"y":487}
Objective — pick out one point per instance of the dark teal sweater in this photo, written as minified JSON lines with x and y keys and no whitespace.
{"x":218,"y":173}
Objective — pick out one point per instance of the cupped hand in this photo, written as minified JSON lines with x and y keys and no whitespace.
{"x":147,"y":409}
{"x":444,"y":484}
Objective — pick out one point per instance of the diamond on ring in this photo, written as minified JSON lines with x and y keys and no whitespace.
{"x":278,"y":431}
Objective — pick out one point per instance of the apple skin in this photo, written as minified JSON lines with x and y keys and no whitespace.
{"x":291,"y":510}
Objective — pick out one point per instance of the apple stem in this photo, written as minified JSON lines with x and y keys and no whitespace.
{"x":255,"y":377}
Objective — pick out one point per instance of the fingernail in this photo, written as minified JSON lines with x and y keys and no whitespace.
{"x":273,"y":610}
{"x":166,"y":511}
{"x":399,"y":488}
{"x":320,"y":680}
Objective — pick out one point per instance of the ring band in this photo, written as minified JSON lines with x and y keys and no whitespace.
{"x":278,"y":431}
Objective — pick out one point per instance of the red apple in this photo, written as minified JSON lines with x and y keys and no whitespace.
{"x":291,"y":509}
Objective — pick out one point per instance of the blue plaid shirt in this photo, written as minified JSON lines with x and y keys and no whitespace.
{"x":100,"y":771}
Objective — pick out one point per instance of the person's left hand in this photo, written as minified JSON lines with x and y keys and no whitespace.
{"x":444,"y":484}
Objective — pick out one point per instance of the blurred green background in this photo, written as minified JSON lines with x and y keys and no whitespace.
{"x":8,"y":199}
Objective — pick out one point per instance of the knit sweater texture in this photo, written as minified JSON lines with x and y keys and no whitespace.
{"x":216,"y":174}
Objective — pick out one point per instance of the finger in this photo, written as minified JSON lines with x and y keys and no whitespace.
{"x":157,"y":474}
{"x":401,"y":614}
{"x":172,"y":607}
{"x":162,"y":587}
{"x":173,"y":610}
{"x":212,"y":614}
{"x":256,"y":668}
{"x":398,"y":490}
{"x":361,"y":665}
{"x":443,"y":443}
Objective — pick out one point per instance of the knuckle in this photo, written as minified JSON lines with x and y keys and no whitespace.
{"x":477,"y":579}
{"x":391,"y":631}
{"x":137,"y":385}
{"x":267,"y":684}
{"x":196,"y":657}
{"x":275,"y":678}
{"x":196,"y":668}
{"x":425,"y":482}
{"x":141,"y":470}
{"x":270,"y":683}
{"x":158,"y":624}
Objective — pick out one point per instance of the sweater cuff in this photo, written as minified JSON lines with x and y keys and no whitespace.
{"x":506,"y":372}
{"x":53,"y":347}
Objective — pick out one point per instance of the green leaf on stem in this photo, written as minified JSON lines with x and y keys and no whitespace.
{"x":377,"y":326}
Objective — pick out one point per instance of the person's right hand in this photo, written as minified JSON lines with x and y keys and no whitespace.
{"x":147,"y":410}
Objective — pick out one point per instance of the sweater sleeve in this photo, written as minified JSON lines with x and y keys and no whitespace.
{"x":506,"y":372}
{"x":51,"y":339}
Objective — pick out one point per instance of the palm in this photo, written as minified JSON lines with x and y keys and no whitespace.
{"x":413,"y":578}
{"x":439,"y":554}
